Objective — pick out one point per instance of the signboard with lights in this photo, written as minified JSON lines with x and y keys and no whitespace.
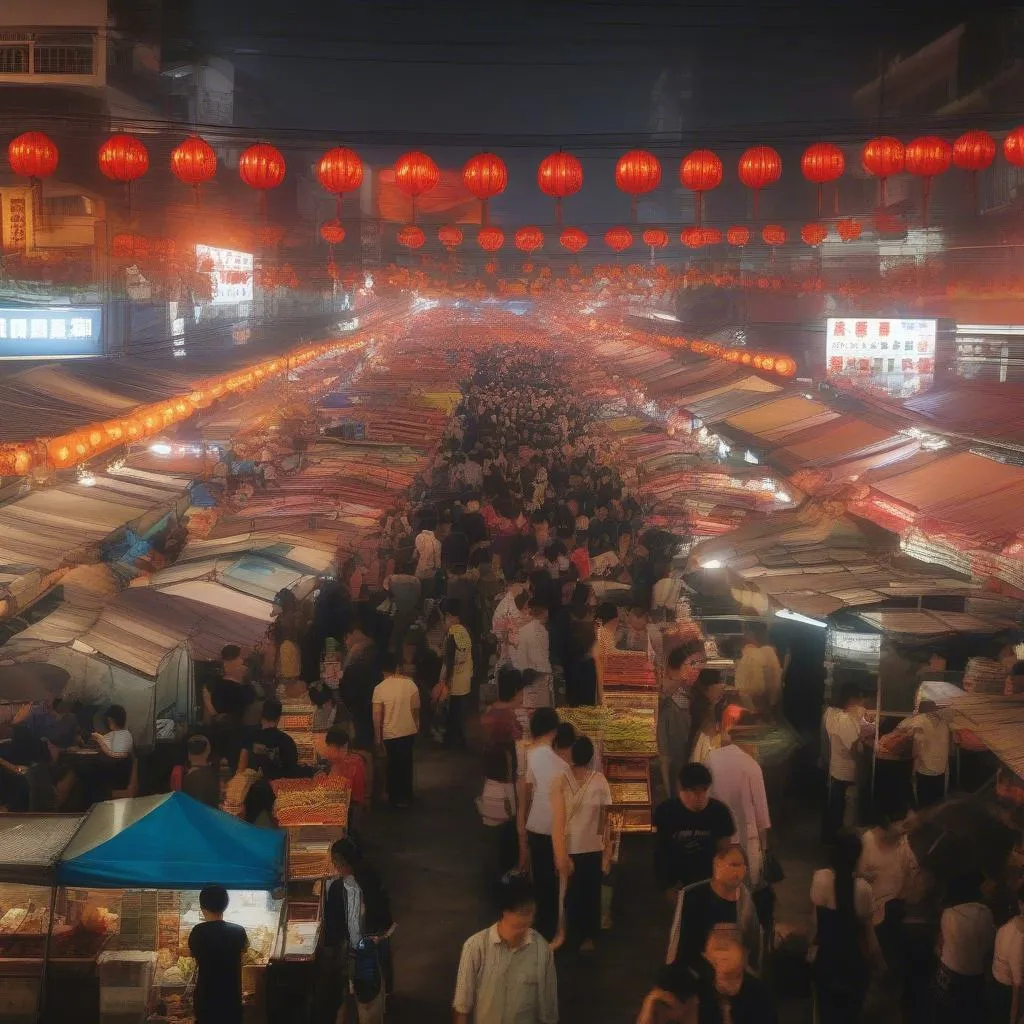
{"x":886,"y":352}
{"x":232,"y":274}
{"x":51,"y":332}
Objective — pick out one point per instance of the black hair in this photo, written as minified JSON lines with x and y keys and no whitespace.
{"x":510,"y":682}
{"x":345,"y":850}
{"x":336,"y":737}
{"x":847,"y":693}
{"x":708,"y":677}
{"x":606,"y":612}
{"x":694,"y":776}
{"x":214,"y":899}
{"x":677,"y":657}
{"x":538,"y":604}
{"x":117,"y":714}
{"x":543,"y":722}
{"x":230,"y":652}
{"x":272,"y":710}
{"x":388,"y":662}
{"x":565,"y":736}
{"x":453,"y":607}
{"x":514,"y":892}
{"x":198,"y":745}
{"x":259,"y":799}
{"x":759,"y":631}
{"x":582,"y":751}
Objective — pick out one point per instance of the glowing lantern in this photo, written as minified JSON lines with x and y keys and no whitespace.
{"x":416,"y":174}
{"x":618,"y":239}
{"x":559,"y":175}
{"x":194,"y":162}
{"x":491,"y":267}
{"x":738,"y":236}
{"x":974,"y":152}
{"x":450,"y":237}
{"x":692,"y":238}
{"x":340,"y":170}
{"x":332,"y":233}
{"x":773,"y":235}
{"x":656,"y":238}
{"x":882,"y":158}
{"x":711,"y":236}
{"x":848,"y":229}
{"x":22,"y":461}
{"x":411,"y":237}
{"x":490,"y":239}
{"x":821,"y":163}
{"x":32,"y":155}
{"x":759,"y":167}
{"x":700,"y":172}
{"x":637,"y":173}
{"x":813,"y":234}
{"x":573,"y":239}
{"x":1013,"y":147}
{"x":261,"y":167}
{"x":785,"y":366}
{"x":529,"y":239}
{"x":123,"y":158}
{"x":485,"y":176}
{"x":927,"y":157}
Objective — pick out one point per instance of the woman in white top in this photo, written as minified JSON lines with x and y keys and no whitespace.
{"x":579,"y":803}
{"x":882,"y":865}
{"x":966,"y":937}
{"x":1008,"y":967}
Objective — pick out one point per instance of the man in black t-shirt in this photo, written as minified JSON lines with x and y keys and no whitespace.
{"x":688,"y":829}
{"x":217,"y":947}
{"x":270,"y":750}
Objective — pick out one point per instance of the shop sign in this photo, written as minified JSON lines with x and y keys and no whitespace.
{"x":48,"y":332}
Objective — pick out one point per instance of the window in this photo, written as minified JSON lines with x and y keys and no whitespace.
{"x":48,"y":52}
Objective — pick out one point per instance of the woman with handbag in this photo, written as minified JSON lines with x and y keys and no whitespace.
{"x":579,"y":803}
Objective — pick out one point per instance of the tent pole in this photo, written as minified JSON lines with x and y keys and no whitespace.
{"x":878,"y":724}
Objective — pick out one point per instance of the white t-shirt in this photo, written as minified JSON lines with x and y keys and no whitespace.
{"x":931,"y":743}
{"x":882,"y":865}
{"x":968,"y":933}
{"x":119,"y":741}
{"x":584,"y":802}
{"x":543,"y":766}
{"x":737,"y":780}
{"x":843,"y":732}
{"x":823,"y":893}
{"x":399,"y":695}
{"x":1008,"y":960}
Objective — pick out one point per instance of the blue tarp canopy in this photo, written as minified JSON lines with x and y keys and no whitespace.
{"x":171,"y":841}
{"x":201,"y":497}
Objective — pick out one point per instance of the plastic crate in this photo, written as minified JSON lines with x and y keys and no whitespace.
{"x":126,"y":982}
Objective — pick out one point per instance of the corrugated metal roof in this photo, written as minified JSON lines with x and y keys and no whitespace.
{"x":773,"y":421}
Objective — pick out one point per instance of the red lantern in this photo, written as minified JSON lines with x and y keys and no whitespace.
{"x":927,"y":157}
{"x":32,"y":155}
{"x":340,"y":170}
{"x":974,"y":152}
{"x":490,"y":239}
{"x":637,"y":173}
{"x":560,"y":175}
{"x":618,"y":239}
{"x":759,"y":167}
{"x":332,"y":232}
{"x":882,"y":158}
{"x":711,"y":236}
{"x":450,"y":236}
{"x":813,"y":234}
{"x":692,"y":238}
{"x":123,"y":158}
{"x":773,"y":235}
{"x":848,"y":229}
{"x":821,"y":163}
{"x":573,"y":239}
{"x":411,"y":237}
{"x":738,"y":236}
{"x":700,"y":172}
{"x":529,"y":239}
{"x":1013,"y":147}
{"x":416,"y":174}
{"x":194,"y":162}
{"x":261,"y":167}
{"x":656,"y":238}
{"x":485,"y":176}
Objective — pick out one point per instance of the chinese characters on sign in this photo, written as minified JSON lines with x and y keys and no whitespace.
{"x":34,"y":333}
{"x":232,"y":274}
{"x":890,"y":354}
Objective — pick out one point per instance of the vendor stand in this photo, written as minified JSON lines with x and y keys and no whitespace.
{"x":129,"y":882}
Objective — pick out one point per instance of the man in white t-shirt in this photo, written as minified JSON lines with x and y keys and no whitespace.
{"x":396,"y":720}
{"x":842,"y":726}
{"x":534,"y":817}
{"x":931,"y":752}
{"x":1008,"y":964}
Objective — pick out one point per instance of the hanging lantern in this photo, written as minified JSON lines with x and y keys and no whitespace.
{"x":450,"y":236}
{"x":882,"y":158}
{"x":711,"y":236}
{"x":738,"y":236}
{"x":485,"y":176}
{"x":692,"y":238}
{"x":261,"y":167}
{"x":340,"y":170}
{"x":773,"y":235}
{"x":194,"y":163}
{"x":490,"y":239}
{"x":559,"y":175}
{"x":32,"y":155}
{"x":785,"y":366}
{"x":123,"y":158}
{"x":1013,"y":147}
{"x":411,"y":237}
{"x":813,"y":234}
{"x":925,"y":158}
{"x":656,"y":238}
{"x":637,"y":173}
{"x":848,"y":229}
{"x":974,"y":152}
{"x":416,"y":174}
{"x":573,"y":239}
{"x":618,"y":239}
{"x":529,"y":239}
{"x":332,"y":232}
{"x":759,"y":167}
{"x":821,"y":163}
{"x":700,"y":172}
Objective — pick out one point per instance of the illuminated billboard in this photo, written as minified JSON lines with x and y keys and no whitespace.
{"x":881,"y":351}
{"x":232,"y":274}
{"x":51,"y":332}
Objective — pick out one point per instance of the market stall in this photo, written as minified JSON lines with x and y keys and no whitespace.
{"x":129,"y":880}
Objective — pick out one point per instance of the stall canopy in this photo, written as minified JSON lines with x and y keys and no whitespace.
{"x":31,"y":845}
{"x":997,"y":721}
{"x":844,"y":439}
{"x":770,"y":422}
{"x":291,"y":551}
{"x":171,"y":841}
{"x":979,"y":410}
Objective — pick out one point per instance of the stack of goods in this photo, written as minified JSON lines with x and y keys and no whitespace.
{"x":322,"y":800}
{"x":631,"y":733}
{"x":297,"y":721}
{"x":628,"y":670}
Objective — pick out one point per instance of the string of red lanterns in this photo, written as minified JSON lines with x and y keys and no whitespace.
{"x":559,"y":176}
{"x":485,"y":176}
{"x":927,"y":157}
{"x":194,"y":162}
{"x":637,"y":173}
{"x":573,"y":240}
{"x":759,"y":167}
{"x":700,"y":172}
{"x":618,"y":239}
{"x":822,"y":163}
{"x":490,"y":238}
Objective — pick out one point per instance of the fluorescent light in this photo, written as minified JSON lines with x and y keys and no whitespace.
{"x":160,"y":448}
{"x":749,"y":456}
{"x":711,"y":563}
{"x":782,"y":496}
{"x":785,"y":613}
